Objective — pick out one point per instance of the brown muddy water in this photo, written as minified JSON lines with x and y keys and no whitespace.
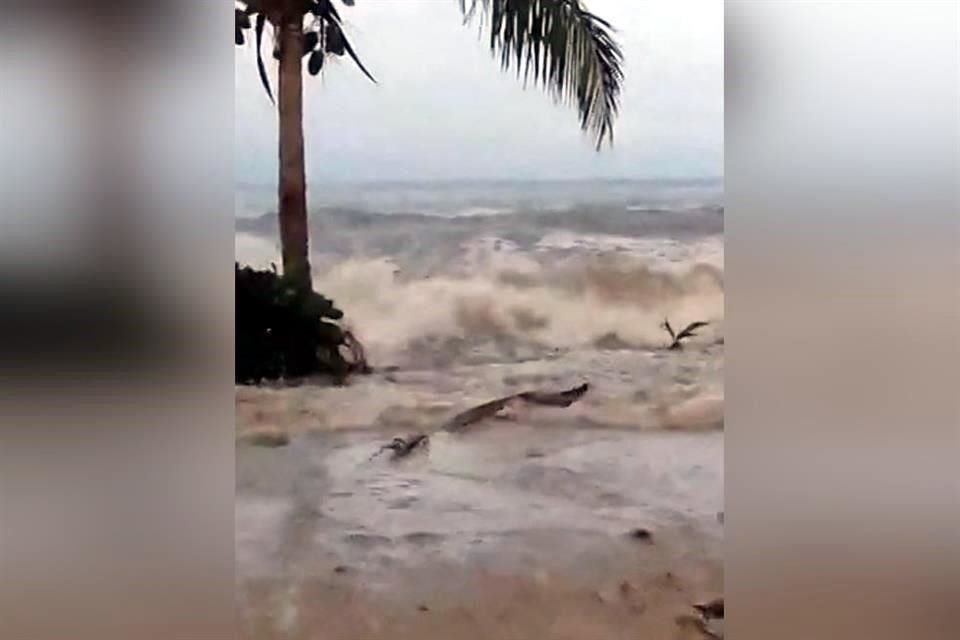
{"x":515,"y":522}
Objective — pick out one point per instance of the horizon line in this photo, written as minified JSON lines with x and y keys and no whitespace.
{"x":400,"y":181}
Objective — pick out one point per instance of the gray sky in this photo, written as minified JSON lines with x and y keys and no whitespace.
{"x":443,"y":109}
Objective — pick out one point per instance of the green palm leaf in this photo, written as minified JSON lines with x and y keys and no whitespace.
{"x":562,"y":47}
{"x":261,"y":68}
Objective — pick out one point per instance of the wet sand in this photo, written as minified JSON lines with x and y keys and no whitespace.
{"x":518,"y":528}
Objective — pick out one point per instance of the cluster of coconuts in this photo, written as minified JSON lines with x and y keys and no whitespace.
{"x":325,"y":38}
{"x":316,"y":46}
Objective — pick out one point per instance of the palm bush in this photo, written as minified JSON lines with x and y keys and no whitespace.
{"x":285,"y":331}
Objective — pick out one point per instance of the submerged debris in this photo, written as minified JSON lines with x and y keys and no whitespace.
{"x":610,"y":341}
{"x":265,"y":438}
{"x":561,"y":399}
{"x":688,"y":332}
{"x":403,"y":447}
{"x":641,"y":533}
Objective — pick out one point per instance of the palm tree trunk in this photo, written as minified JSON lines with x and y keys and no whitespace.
{"x":292,"y":179}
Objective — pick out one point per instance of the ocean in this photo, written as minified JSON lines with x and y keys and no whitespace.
{"x":553,"y":265}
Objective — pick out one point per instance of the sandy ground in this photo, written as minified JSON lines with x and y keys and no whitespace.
{"x":518,"y":528}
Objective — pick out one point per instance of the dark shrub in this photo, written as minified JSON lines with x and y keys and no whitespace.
{"x":283,"y":331}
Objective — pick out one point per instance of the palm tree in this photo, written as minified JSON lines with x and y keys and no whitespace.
{"x":556,"y":44}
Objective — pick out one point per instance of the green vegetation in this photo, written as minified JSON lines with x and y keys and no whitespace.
{"x":286,"y":331}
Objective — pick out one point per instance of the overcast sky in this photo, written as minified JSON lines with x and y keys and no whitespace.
{"x":443,"y":109}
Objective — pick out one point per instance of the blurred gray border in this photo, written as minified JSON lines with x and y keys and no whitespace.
{"x":842,"y":318}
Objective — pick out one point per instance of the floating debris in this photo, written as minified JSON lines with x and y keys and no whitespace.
{"x":490,"y":409}
{"x":688,"y":332}
{"x":404,"y":446}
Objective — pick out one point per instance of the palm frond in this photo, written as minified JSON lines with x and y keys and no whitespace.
{"x":353,"y":55}
{"x":690,"y":329}
{"x":669,"y":329}
{"x":562,"y":47}
{"x":261,"y":68}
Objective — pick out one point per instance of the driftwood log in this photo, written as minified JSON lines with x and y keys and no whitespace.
{"x":402,"y":447}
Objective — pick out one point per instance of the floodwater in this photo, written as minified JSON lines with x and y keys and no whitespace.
{"x":520,"y":526}
{"x":545,"y":491}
